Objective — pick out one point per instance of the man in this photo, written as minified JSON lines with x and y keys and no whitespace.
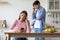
{"x":38,"y":16}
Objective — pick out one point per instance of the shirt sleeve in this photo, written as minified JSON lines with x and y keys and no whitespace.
{"x":14,"y":24}
{"x":28,"y":27}
{"x":41,"y":14}
{"x":34,"y":15}
{"x":32,"y":22}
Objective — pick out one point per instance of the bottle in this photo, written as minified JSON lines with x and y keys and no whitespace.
{"x":3,"y":25}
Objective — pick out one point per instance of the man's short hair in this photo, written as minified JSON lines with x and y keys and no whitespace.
{"x":36,"y":3}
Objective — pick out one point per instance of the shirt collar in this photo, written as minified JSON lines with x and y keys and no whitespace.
{"x":39,"y":8}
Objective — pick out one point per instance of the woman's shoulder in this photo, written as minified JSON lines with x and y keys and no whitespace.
{"x":16,"y":20}
{"x":27,"y":21}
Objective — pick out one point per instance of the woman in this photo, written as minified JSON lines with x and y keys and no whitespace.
{"x":21,"y":24}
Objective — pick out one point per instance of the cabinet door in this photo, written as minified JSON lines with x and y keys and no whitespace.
{"x":57,"y":4}
{"x":54,"y":4}
{"x":51,"y":4}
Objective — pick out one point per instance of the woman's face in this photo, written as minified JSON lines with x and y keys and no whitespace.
{"x":23,"y":16}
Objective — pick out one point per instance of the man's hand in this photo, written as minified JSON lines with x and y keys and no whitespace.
{"x":32,"y":28}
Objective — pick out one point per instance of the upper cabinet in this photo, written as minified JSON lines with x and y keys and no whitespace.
{"x":1,"y":1}
{"x":54,"y":5}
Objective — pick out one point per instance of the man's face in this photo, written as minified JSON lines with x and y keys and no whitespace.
{"x":36,"y":6}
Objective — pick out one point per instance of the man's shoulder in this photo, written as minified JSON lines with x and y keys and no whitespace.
{"x":42,"y":8}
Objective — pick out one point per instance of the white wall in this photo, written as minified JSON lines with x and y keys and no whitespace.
{"x":11,"y":11}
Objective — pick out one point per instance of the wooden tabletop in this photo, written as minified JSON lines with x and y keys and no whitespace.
{"x":44,"y":34}
{"x":33,"y":34}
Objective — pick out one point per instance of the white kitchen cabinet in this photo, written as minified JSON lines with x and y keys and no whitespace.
{"x":53,"y":13}
{"x":54,"y":4}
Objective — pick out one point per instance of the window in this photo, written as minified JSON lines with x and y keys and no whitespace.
{"x":54,"y":4}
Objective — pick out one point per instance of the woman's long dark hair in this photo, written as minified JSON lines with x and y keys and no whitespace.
{"x":25,"y":12}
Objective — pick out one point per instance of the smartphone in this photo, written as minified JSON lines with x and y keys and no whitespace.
{"x":22,"y":29}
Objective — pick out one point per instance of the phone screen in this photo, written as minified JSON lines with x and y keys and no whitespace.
{"x":22,"y":28}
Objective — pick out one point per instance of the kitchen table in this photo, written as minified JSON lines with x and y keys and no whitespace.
{"x":8,"y":35}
